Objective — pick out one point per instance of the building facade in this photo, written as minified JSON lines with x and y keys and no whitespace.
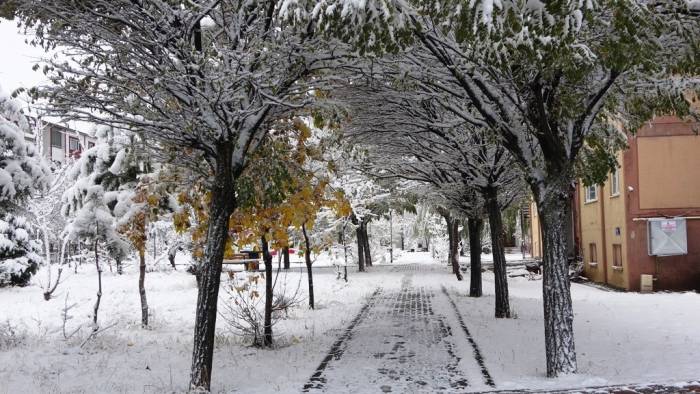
{"x":640,"y":229}
{"x":58,"y":143}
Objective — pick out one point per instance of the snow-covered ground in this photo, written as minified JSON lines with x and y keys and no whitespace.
{"x":620,"y":337}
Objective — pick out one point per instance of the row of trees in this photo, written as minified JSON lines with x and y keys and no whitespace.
{"x":486,"y":94}
{"x":549,"y":84}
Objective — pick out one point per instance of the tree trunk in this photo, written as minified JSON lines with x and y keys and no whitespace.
{"x":307,"y":259}
{"x":448,"y":220}
{"x":360,"y":250}
{"x":453,"y":241}
{"x":142,"y":288}
{"x":120,"y":266}
{"x":553,"y":208}
{"x":222,"y":205}
{"x":345,"y":248}
{"x":171,"y":259}
{"x":454,"y":247}
{"x":267,"y":258}
{"x":96,"y":308}
{"x":497,"y":249}
{"x":285,"y":255}
{"x":476,"y":226}
{"x":365,"y":238}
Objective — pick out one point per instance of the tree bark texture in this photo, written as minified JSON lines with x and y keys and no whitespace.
{"x":96,"y":308}
{"x":476,"y":226}
{"x":499,"y":256}
{"x":142,"y":288}
{"x":307,"y":259}
{"x":171,"y":259}
{"x":267,"y":258}
{"x":285,"y":256}
{"x":453,"y":237}
{"x":365,"y":238}
{"x":554,"y":212}
{"x":221,"y":208}
{"x":360,"y":250}
{"x":449,"y":239}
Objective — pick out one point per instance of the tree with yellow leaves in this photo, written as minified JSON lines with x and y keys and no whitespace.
{"x":139,"y":199}
{"x":286,"y":187}
{"x":149,"y":200}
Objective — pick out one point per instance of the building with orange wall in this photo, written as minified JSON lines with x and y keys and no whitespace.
{"x":656,"y":191}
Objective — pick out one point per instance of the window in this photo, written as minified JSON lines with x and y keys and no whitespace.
{"x":615,"y":183}
{"x":73,"y":144}
{"x":90,"y":144}
{"x":591,"y":193}
{"x":617,"y":255}
{"x":592,"y":253}
{"x":56,"y":138}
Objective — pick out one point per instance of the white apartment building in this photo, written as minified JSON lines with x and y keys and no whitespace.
{"x":58,"y":143}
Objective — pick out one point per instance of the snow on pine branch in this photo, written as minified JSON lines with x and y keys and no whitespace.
{"x":23,"y":173}
{"x":22,"y":170}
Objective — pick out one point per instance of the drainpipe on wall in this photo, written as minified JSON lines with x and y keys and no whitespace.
{"x":532,"y":233}
{"x":602,"y":232}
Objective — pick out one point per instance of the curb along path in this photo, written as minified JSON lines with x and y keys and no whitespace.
{"x":317,"y":380}
{"x":488,"y":380}
{"x":679,"y":388}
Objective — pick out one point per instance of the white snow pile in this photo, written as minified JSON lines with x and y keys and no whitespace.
{"x":19,"y":253}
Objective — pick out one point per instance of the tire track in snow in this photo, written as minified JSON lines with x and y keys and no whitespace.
{"x":477,"y":353}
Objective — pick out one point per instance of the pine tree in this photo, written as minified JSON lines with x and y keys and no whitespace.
{"x":22,"y":173}
{"x":90,"y":201}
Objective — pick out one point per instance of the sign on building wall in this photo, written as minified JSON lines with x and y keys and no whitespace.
{"x":667,"y":237}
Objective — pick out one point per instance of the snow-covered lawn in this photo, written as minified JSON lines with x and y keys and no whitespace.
{"x":620,"y":337}
{"x":126,"y":358}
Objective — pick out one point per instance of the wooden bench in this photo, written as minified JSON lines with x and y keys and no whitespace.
{"x":242,"y":258}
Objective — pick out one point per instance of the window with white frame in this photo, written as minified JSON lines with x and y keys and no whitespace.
{"x":615,"y":183}
{"x":591,"y":193}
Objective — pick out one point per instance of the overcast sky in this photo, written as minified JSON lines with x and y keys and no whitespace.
{"x":17,"y":59}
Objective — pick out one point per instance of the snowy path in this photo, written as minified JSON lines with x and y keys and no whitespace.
{"x":401,"y":341}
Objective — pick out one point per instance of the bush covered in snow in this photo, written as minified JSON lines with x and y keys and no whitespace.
{"x":19,"y":254}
